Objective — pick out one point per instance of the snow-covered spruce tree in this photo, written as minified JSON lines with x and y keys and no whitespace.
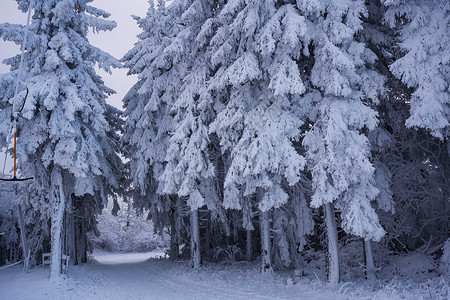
{"x":338,"y":151}
{"x":411,"y":165}
{"x":425,"y":66}
{"x":418,"y":164}
{"x":190,"y":171}
{"x":419,"y":161}
{"x":67,"y":133}
{"x":168,"y":111}
{"x":380,"y":40}
{"x":255,"y":51}
{"x":147,"y":110}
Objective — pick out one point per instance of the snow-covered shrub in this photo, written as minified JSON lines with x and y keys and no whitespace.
{"x":445,"y":259}
{"x":352,"y":259}
{"x":411,"y":264}
{"x":230,"y":253}
{"x":314,"y":264}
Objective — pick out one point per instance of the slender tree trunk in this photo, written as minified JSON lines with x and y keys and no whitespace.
{"x":173,"y":254}
{"x":70,"y":238}
{"x":56,"y":231}
{"x":207,"y":245}
{"x":3,"y":256}
{"x":248,"y":251}
{"x":26,"y":257}
{"x":333,"y":251}
{"x":78,"y":239}
{"x":235,"y":226}
{"x":195,"y":240}
{"x":266,"y":266}
{"x":66,"y":232}
{"x":82,"y":245}
{"x":368,"y":260}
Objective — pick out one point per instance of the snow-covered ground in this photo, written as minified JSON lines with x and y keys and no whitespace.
{"x":147,"y":276}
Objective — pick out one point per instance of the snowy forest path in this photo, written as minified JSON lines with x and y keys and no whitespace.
{"x":139,"y":276}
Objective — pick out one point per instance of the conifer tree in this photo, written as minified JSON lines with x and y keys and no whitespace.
{"x":68,"y":134}
{"x":254,"y":51}
{"x":169,"y":109}
{"x":338,"y":151}
{"x":147,"y":109}
{"x":190,"y":169}
{"x":423,"y":28}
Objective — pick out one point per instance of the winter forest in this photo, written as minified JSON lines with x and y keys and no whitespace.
{"x":305,"y":137}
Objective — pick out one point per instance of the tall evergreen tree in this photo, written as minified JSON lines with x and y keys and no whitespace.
{"x":169,"y":109}
{"x":410,"y":164}
{"x":338,"y":151}
{"x":423,"y":28}
{"x":147,"y":109}
{"x":255,"y":51}
{"x":68,"y":134}
{"x":190,"y":170}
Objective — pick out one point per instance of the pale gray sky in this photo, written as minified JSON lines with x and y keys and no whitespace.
{"x":116,"y":42}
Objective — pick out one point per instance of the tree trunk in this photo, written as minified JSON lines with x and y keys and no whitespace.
{"x":56,"y":232}
{"x":82,"y":242}
{"x":173,"y":254}
{"x":26,"y":258}
{"x":207,"y":245}
{"x":266,"y":265}
{"x":333,"y":251}
{"x":235,"y":226}
{"x":195,"y":240}
{"x":71,"y":250}
{"x":3,"y":256}
{"x":79,"y":239}
{"x":368,"y":260}
{"x":248,"y":251}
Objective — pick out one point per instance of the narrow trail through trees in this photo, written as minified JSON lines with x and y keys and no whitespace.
{"x":143,"y":276}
